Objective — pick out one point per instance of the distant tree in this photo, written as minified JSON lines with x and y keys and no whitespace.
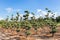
{"x":58,"y":19}
{"x":12,"y":18}
{"x":17,"y":17}
{"x":33,"y":18}
{"x":21,"y":18}
{"x":7,"y":18}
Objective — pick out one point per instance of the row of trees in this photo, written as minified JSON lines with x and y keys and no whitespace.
{"x":26,"y":23}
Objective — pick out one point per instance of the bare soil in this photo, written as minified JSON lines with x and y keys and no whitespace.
{"x":41,"y":34}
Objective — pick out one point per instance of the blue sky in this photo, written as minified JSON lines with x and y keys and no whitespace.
{"x":8,"y":7}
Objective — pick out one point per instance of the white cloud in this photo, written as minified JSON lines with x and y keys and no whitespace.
{"x":43,"y":13}
{"x":21,"y":15}
{"x":1,"y":18}
{"x":56,"y":14}
{"x":39,"y":10}
{"x":9,"y":10}
{"x":18,"y":10}
{"x":36,"y":16}
{"x":30,"y":15}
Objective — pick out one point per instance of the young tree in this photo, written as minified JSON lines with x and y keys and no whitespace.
{"x":58,"y":19}
{"x":17,"y":17}
{"x":27,"y":23}
{"x":52,"y":25}
{"x":12,"y":18}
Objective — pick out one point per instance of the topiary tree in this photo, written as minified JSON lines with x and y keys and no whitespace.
{"x":17,"y":23}
{"x":26,"y":19}
{"x":34,"y":22}
{"x":17,"y":17}
{"x":52,"y":25}
{"x":27,"y":24}
{"x":6,"y":25}
{"x":33,"y":18}
{"x":12,"y":18}
{"x":58,"y":19}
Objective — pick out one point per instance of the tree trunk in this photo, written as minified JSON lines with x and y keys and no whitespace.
{"x":52,"y":34}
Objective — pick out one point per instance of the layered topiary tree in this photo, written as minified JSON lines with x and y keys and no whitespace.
{"x":34,"y":22}
{"x":7,"y":22}
{"x":17,"y":23}
{"x":52,"y":25}
{"x":27,"y":25}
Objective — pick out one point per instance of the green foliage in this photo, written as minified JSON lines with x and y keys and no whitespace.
{"x":51,"y":23}
{"x":17,"y":30}
{"x":52,"y":26}
{"x":58,"y":19}
{"x":27,"y":33}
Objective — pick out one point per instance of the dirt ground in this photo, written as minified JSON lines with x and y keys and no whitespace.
{"x":42,"y":34}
